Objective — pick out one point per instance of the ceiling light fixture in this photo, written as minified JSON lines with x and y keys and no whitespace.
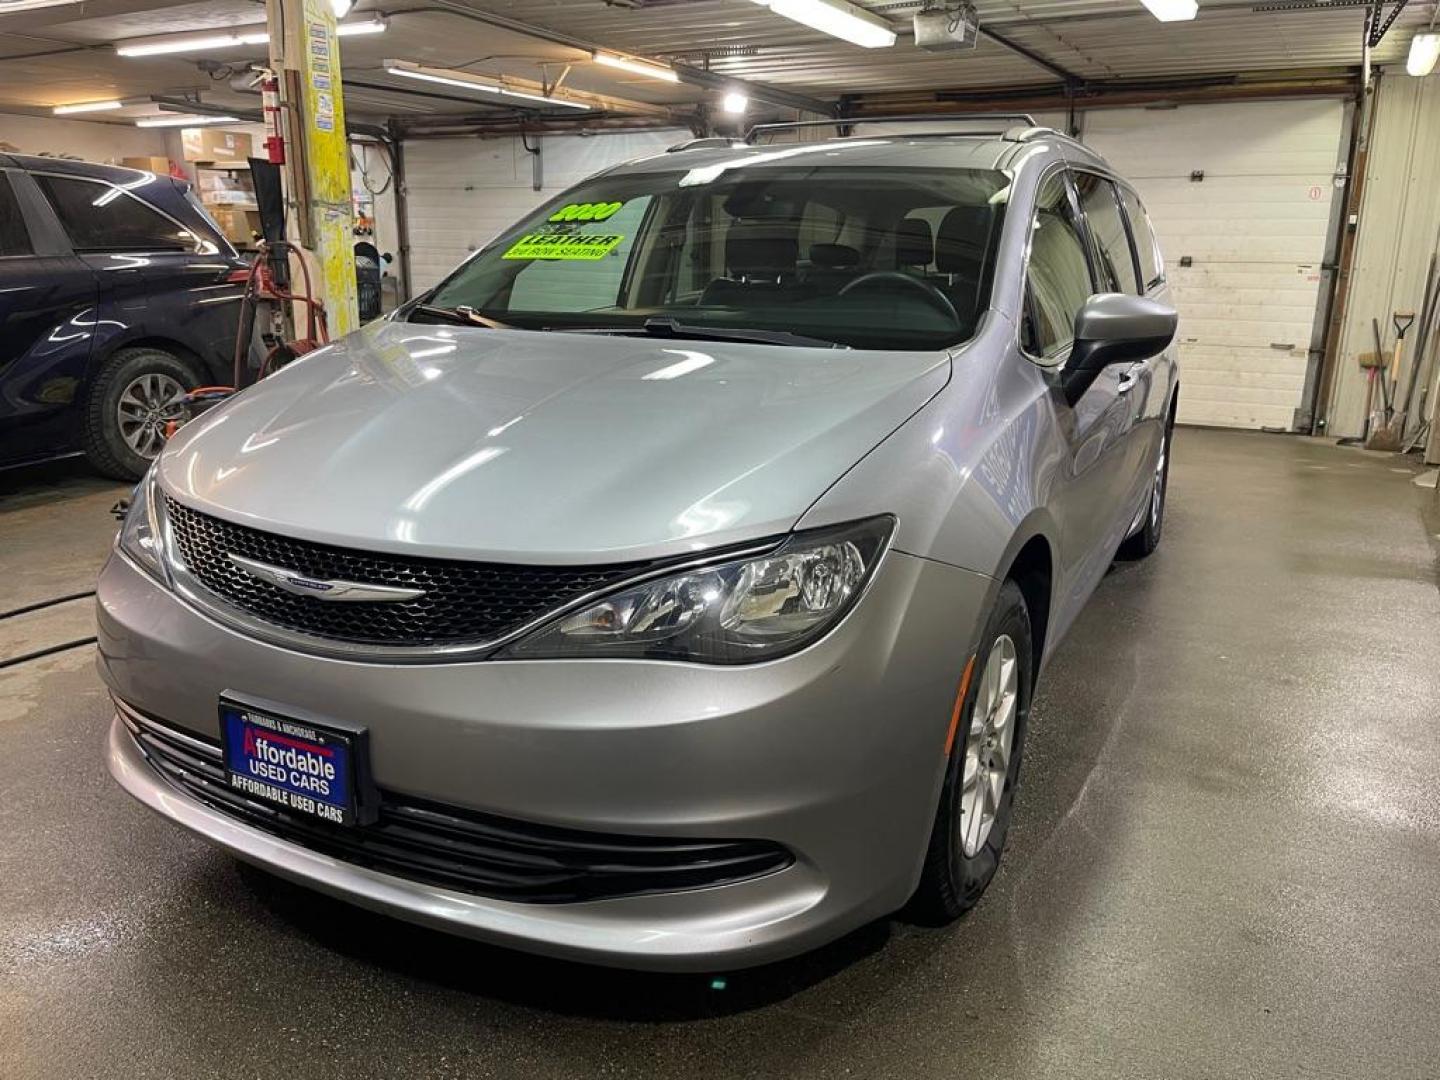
{"x":1424,"y":53}
{"x":180,"y":43}
{"x":734,"y":103}
{"x":10,"y":6}
{"x":185,"y":121}
{"x":1172,"y":10}
{"x":341,"y":7}
{"x":837,"y":18}
{"x":87,"y":106}
{"x":465,"y":81}
{"x":192,"y":43}
{"x":637,"y":67}
{"x":361,"y":26}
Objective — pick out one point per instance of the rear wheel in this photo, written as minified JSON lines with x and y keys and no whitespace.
{"x":973,"y":818}
{"x":1147,"y":538}
{"x":135,"y":395}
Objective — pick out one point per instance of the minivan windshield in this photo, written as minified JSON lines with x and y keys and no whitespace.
{"x":859,"y":256}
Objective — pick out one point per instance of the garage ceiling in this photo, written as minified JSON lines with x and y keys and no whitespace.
{"x":63,"y":54}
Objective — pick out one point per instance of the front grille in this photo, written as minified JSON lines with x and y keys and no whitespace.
{"x":463,"y":602}
{"x":463,"y":850}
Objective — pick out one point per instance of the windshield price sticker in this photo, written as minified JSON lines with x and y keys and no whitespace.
{"x":598,"y":211}
{"x":573,"y":246}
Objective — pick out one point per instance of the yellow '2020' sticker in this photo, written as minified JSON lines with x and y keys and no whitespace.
{"x":577,"y":246}
{"x":589,"y":211}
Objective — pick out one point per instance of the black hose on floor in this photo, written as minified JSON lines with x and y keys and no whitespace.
{"x":38,"y":653}
{"x":40,"y":605}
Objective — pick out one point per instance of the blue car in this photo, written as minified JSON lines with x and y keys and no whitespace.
{"x":117,"y":295}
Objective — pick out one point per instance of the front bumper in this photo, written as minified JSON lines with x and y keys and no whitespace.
{"x":835,"y":753}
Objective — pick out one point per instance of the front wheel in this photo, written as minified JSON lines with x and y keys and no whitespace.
{"x":1147,"y":538}
{"x":973,"y":818}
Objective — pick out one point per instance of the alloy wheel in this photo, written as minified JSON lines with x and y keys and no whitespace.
{"x":146,"y":405}
{"x":1157,"y":490}
{"x":988,"y":745}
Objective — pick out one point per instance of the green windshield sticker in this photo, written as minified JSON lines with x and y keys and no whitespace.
{"x":586,"y":211}
{"x":577,"y":246}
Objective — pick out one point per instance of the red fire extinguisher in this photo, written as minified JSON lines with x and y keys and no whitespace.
{"x":274,"y":125}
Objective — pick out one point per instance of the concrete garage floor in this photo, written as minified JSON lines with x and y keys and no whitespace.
{"x":1225,"y":861}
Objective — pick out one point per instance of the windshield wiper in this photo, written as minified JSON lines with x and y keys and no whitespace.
{"x":674,"y":328}
{"x":461,"y":314}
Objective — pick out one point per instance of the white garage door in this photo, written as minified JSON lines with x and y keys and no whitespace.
{"x":1255,"y":228}
{"x":463,"y":192}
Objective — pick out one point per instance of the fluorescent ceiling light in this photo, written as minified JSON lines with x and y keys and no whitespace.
{"x":1424,"y":52}
{"x":734,"y":103}
{"x":180,"y":43}
{"x":87,"y":106}
{"x":361,"y":26}
{"x":185,"y":121}
{"x":836,"y":17}
{"x":465,"y":81}
{"x":1172,"y":10}
{"x":7,"y":7}
{"x":637,"y":67}
{"x":192,"y":43}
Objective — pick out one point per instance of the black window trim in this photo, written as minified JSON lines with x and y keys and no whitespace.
{"x":195,"y":249}
{"x":1055,"y":361}
{"x":6,"y":175}
{"x":1121,"y":187}
{"x":1114,"y":186}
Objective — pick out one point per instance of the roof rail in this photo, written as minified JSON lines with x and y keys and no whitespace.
{"x":714,"y":142}
{"x":1010,"y":119}
{"x":1026,"y":134}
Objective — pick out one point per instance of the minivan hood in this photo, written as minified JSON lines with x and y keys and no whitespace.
{"x":554,"y":447}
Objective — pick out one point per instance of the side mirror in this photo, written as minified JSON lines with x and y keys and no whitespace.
{"x":1115,"y":328}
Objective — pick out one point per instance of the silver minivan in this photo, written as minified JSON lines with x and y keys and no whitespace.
{"x":668,"y":586}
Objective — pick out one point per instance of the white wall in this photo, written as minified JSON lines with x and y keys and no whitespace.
{"x":90,"y":141}
{"x":1399,"y":219}
{"x":463,"y":192}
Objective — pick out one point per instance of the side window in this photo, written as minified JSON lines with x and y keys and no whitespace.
{"x":1059,"y":280}
{"x":101,"y":217}
{"x":1152,"y":268}
{"x":14,"y":237}
{"x":1107,"y":228}
{"x":568,"y":282}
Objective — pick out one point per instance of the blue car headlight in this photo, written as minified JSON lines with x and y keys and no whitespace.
{"x":736,"y":612}
{"x":140,"y":532}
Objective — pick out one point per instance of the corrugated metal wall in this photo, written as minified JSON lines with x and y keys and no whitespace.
{"x":461,"y":193}
{"x":1399,"y":219}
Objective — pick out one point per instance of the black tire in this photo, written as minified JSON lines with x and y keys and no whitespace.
{"x":1145,"y":540}
{"x":953,"y":881}
{"x":104,"y":440}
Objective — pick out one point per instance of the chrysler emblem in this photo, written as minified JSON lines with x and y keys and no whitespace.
{"x":300,"y":585}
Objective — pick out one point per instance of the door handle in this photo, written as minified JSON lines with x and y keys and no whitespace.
{"x":1128,"y":378}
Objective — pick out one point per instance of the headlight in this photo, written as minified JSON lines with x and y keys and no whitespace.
{"x":140,"y":532}
{"x":730,"y":613}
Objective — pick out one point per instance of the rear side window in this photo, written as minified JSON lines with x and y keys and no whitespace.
{"x":1059,"y":281}
{"x":102,"y":217}
{"x":1107,"y":229}
{"x":14,"y":237}
{"x":1152,"y":268}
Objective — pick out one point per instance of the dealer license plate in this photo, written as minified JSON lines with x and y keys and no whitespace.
{"x":299,"y":766}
